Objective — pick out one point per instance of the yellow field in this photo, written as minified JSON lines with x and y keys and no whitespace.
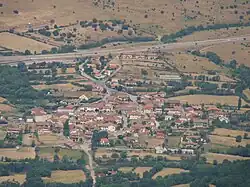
{"x":208,"y":99}
{"x":227,"y":141}
{"x":2,"y":99}
{"x":71,"y":176}
{"x":181,"y":185}
{"x":19,"y":43}
{"x":141,"y":170}
{"x":17,"y":154}
{"x":60,"y":87}
{"x":192,"y":64}
{"x":143,"y":154}
{"x":125,"y":169}
{"x":220,"y":157}
{"x":51,"y":139}
{"x":229,"y":132}
{"x":169,"y":171}
{"x":17,"y":177}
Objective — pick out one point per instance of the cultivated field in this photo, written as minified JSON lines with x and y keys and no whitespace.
{"x":169,"y":171}
{"x":143,"y":154}
{"x":141,"y":170}
{"x":227,"y":141}
{"x":17,"y":177}
{"x":17,"y":154}
{"x":49,"y":152}
{"x":68,"y":71}
{"x":170,"y":14}
{"x":173,"y":141}
{"x":208,"y":99}
{"x":51,"y":139}
{"x":59,"y":87}
{"x":70,"y":176}
{"x":19,"y":43}
{"x":247,"y":93}
{"x":228,"y":132}
{"x":181,"y":185}
{"x":220,"y":157}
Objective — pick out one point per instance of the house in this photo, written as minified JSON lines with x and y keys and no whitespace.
{"x":70,"y":145}
{"x":104,"y":141}
{"x":68,"y":109}
{"x":160,"y":135}
{"x":224,"y":119}
{"x":148,"y":108}
{"x":40,"y":115}
{"x":187,"y":151}
{"x":200,"y":122}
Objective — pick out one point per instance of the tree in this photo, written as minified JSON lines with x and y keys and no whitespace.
{"x":238,"y":138}
{"x":64,"y":69}
{"x":53,"y":50}
{"x":245,"y":136}
{"x":124,"y":154}
{"x":66,"y":131}
{"x":115,"y":155}
{"x":239,"y":103}
{"x":27,"y":52}
{"x":33,"y":143}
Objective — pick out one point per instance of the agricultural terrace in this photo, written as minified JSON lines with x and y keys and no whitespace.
{"x":220,"y":157}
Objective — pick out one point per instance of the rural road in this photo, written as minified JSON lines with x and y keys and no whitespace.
{"x":98,"y":51}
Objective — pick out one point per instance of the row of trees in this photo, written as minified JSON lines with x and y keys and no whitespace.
{"x":190,"y":30}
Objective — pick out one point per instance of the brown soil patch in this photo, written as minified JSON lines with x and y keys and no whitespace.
{"x":227,"y":141}
{"x":17,"y":177}
{"x":141,"y":170}
{"x":169,"y":171}
{"x":5,"y":108}
{"x":229,"y":132}
{"x":19,"y":43}
{"x":17,"y":154}
{"x":208,"y":99}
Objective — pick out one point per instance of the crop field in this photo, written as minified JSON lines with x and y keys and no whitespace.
{"x":192,"y":64}
{"x":143,"y":154}
{"x":141,"y":170}
{"x":239,"y":51}
{"x":170,"y":14}
{"x":247,"y":93}
{"x":66,"y":177}
{"x":209,"y":99}
{"x":59,"y":87}
{"x":17,"y":177}
{"x":227,"y":141}
{"x":220,"y":157}
{"x":9,"y":41}
{"x":51,"y":139}
{"x":169,"y":171}
{"x":229,"y":132}
{"x":17,"y":154}
{"x":48,"y":152}
{"x":6,"y":108}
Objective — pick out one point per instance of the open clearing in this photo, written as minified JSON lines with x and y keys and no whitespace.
{"x":17,"y":177}
{"x":209,"y":99}
{"x":141,"y":170}
{"x":125,"y":169}
{"x":19,"y":43}
{"x":169,"y":171}
{"x":18,"y":154}
{"x":68,"y":71}
{"x":70,"y":176}
{"x":247,"y":93}
{"x":192,"y":64}
{"x":227,"y":141}
{"x":2,"y":99}
{"x":220,"y":157}
{"x":239,"y":51}
{"x":229,"y":132}
{"x":143,"y":154}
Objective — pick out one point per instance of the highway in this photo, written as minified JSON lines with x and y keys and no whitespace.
{"x":99,"y":51}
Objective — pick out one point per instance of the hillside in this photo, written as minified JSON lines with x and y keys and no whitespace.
{"x":160,"y":15}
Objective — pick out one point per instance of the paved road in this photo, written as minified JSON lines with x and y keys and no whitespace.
{"x":137,"y":49}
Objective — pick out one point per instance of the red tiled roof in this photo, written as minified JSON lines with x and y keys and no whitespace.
{"x":104,"y":140}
